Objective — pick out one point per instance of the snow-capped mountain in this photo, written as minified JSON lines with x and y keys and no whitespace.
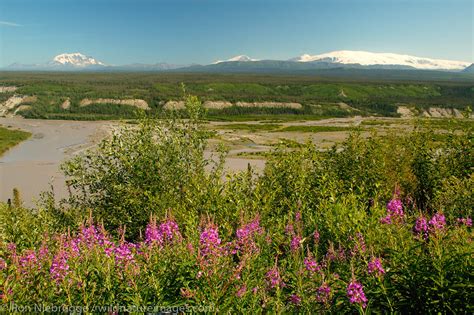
{"x":76,"y":60}
{"x":345,"y":59}
{"x":469,"y":69}
{"x":365,"y":58}
{"x":237,"y":58}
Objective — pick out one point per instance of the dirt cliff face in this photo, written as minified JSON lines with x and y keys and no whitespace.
{"x":174,"y":105}
{"x":270,"y":105}
{"x":66,"y":104}
{"x":217,"y":104}
{"x":431,"y":112}
{"x":7,"y":89}
{"x":130,"y":102}
{"x":10,"y":104}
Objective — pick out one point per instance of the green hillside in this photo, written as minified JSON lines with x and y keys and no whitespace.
{"x":318,"y":96}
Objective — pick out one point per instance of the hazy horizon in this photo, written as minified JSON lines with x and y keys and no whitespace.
{"x":183,"y":32}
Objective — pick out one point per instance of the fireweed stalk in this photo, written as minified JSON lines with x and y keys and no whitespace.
{"x":225,"y":263}
{"x":355,"y":293}
{"x":375,"y":267}
{"x":395,"y":212}
{"x":437,"y":223}
{"x":421,"y":228}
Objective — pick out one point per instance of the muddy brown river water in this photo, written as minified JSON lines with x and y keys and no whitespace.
{"x":33,"y":165}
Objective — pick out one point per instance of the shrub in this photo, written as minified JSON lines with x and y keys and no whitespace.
{"x":378,"y":223}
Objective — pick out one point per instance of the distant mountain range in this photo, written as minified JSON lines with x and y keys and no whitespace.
{"x":334,"y":60}
{"x":469,"y":69}
{"x":364,"y":58}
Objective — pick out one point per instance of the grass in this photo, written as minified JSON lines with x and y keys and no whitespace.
{"x":9,"y":138}
{"x":315,"y":129}
{"x":251,"y":127}
{"x":378,"y":123}
{"x":447,"y":124}
{"x":279,"y":128}
{"x":268,"y":117}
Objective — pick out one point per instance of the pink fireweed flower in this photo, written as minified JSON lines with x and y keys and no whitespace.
{"x":316,"y":237}
{"x":361,"y":242}
{"x":341,"y":252}
{"x":124,"y":254}
{"x":249,"y":229}
{"x":88,"y":236}
{"x":209,"y":241}
{"x":375,"y":266}
{"x":241,"y":291}
{"x":109,"y":250}
{"x":323,"y":293}
{"x":274,"y":279}
{"x":394,"y":212}
{"x":421,"y":227}
{"x":170,"y":230}
{"x":359,"y":246}
{"x":395,"y":208}
{"x":331,"y":253}
{"x":11,"y":247}
{"x":166,"y":233}
{"x":464,"y":221}
{"x":43,"y":252}
{"x":245,"y":237}
{"x":28,"y":261}
{"x":355,"y":293}
{"x":289,"y":229}
{"x":152,"y":233}
{"x":3,"y":264}
{"x":437,"y":222}
{"x":386,"y":220}
{"x":298,"y":216}
{"x":295,"y":243}
{"x":73,"y":246}
{"x":295,"y":299}
{"x":104,"y":241}
{"x":59,"y":267}
{"x":311,"y":265}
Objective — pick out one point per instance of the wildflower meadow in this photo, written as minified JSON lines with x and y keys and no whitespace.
{"x":379,"y":223}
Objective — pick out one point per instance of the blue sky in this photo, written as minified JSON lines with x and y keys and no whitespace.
{"x":202,"y":31}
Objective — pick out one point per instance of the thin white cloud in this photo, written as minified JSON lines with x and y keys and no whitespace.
{"x":6,"y":23}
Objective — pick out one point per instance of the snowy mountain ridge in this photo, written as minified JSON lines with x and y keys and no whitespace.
{"x":365,"y":58}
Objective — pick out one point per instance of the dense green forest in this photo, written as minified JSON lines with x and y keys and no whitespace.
{"x":319,"y":97}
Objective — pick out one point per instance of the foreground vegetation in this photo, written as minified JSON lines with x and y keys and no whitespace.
{"x":319,"y":97}
{"x":377,"y":224}
{"x":10,"y":138}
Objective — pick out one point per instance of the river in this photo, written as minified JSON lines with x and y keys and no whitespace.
{"x":33,"y":166}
